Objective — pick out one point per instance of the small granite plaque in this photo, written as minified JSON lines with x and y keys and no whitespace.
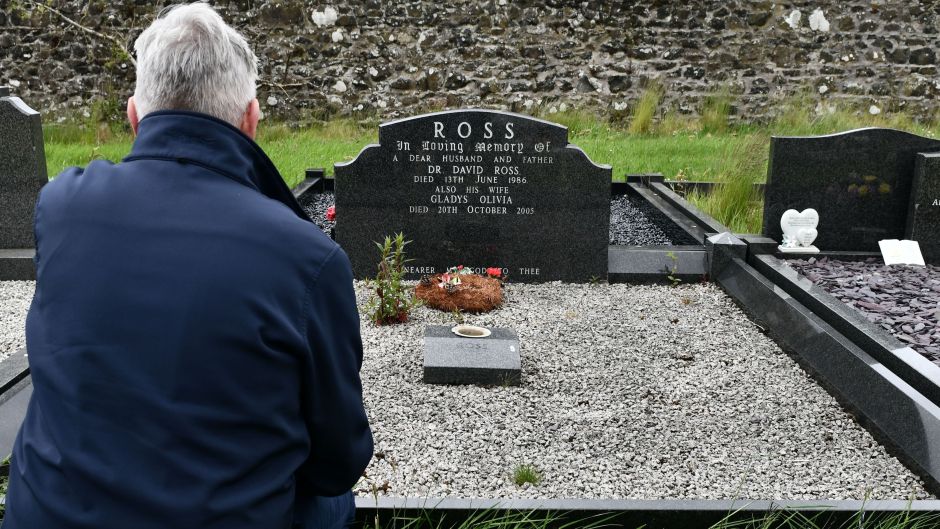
{"x":858,"y":181}
{"x":452,"y":359}
{"x":22,"y":171}
{"x":924,"y":217}
{"x":481,"y":189}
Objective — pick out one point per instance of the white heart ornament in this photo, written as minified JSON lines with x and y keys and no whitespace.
{"x":792,"y":221}
{"x":806,"y":236}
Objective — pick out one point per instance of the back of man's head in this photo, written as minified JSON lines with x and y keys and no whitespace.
{"x":190,"y":59}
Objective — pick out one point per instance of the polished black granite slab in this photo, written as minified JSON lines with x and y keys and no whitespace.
{"x":859,"y":182}
{"x":721,"y":249}
{"x":490,"y":361}
{"x":477,"y":188}
{"x":656,"y":264}
{"x":17,"y":264}
{"x":922,"y":374}
{"x":923,"y":222}
{"x":22,"y":171}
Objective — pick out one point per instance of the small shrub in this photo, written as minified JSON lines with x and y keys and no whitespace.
{"x":644,"y":112}
{"x":526,"y":474}
{"x":392,"y":299}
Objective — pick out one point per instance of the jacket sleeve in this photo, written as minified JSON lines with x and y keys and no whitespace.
{"x":340,"y":438}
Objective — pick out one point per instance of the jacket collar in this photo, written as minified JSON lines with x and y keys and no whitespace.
{"x":210,"y":142}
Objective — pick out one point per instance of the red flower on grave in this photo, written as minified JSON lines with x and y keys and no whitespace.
{"x":493,"y":272}
{"x":331,"y":213}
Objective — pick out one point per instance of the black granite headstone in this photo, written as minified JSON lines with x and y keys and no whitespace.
{"x":481,"y":189}
{"x":859,"y":182}
{"x":923,"y":223}
{"x":22,"y":171}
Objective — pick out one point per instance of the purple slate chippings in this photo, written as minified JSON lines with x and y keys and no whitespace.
{"x":902,"y":299}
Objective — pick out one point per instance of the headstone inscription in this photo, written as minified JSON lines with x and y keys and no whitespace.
{"x":22,"y":171}
{"x":799,"y":231}
{"x":923,"y":222}
{"x":859,"y":181}
{"x":481,"y":189}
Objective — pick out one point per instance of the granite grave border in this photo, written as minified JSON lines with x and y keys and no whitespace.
{"x":652,"y":514}
{"x":902,"y":418}
{"x":911,"y":366}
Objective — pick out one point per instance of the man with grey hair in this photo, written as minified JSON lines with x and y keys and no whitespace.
{"x":194,"y":339}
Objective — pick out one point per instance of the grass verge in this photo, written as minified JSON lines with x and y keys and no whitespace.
{"x":707,"y":148}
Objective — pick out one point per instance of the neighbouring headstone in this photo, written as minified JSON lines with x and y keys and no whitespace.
{"x":923,"y":224}
{"x":453,"y":359}
{"x":859,"y":181}
{"x":481,"y":189}
{"x":22,"y":171}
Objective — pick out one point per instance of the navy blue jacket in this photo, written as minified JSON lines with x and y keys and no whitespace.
{"x":193,"y":342}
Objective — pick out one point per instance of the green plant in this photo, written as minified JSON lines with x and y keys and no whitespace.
{"x":735,"y":202}
{"x":644,"y":112}
{"x":526,"y":473}
{"x":671,"y":270}
{"x":392,"y":300}
{"x":457,"y":316}
{"x":715,"y":112}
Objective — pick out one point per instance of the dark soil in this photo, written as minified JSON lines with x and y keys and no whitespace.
{"x":903,"y":299}
{"x":633,"y":222}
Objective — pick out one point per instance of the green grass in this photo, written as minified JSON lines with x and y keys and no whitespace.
{"x":707,"y":148}
{"x":782,"y":519}
{"x":523,"y":474}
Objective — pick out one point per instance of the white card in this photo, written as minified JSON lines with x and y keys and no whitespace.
{"x":901,"y":252}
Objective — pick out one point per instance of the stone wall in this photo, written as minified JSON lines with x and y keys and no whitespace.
{"x":401,"y":57}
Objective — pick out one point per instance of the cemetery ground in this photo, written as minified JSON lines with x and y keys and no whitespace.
{"x":658,"y":392}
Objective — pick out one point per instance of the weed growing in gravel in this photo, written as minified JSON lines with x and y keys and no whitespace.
{"x":392,"y":301}
{"x":671,"y":271}
{"x":526,"y":474}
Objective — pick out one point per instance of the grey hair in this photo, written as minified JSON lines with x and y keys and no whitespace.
{"x":190,"y":59}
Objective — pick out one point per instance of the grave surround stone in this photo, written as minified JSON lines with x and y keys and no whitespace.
{"x":859,"y":181}
{"x":452,"y":359}
{"x":477,"y":188}
{"x":924,"y":216}
{"x":22,"y":171}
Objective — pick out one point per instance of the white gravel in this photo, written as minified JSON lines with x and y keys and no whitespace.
{"x":636,"y":392}
{"x":15,"y":297}
{"x":639,"y":392}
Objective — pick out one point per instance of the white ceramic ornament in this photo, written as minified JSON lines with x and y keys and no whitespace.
{"x":799,"y":231}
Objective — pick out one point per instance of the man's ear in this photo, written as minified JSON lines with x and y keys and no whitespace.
{"x":132,"y":114}
{"x":249,"y":124}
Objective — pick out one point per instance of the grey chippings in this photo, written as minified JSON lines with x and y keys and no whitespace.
{"x":627,"y":392}
{"x":15,"y":297}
